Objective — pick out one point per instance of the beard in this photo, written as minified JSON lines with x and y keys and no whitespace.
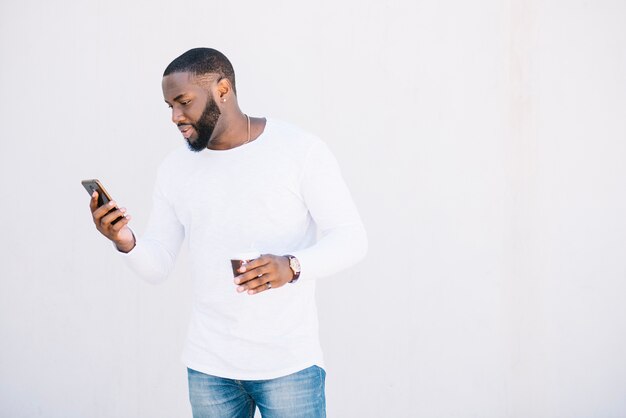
{"x":205,"y":126}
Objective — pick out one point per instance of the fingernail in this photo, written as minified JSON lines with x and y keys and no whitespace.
{"x":251,"y":292}
{"x":242,"y":269}
{"x":237,"y":281}
{"x":241,"y":289}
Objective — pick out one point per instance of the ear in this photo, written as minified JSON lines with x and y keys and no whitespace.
{"x":224,"y":88}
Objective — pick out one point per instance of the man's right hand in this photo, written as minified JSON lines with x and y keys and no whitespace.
{"x":104,"y":216}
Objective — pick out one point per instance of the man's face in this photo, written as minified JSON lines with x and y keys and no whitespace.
{"x":203,"y":128}
{"x":194,"y":110}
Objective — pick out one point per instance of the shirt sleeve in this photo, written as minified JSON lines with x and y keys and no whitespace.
{"x":155,"y":252}
{"x":342,"y":240}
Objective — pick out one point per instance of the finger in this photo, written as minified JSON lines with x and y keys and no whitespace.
{"x":112,"y":216}
{"x":257,"y":285}
{"x":112,"y":231}
{"x":252,"y":282}
{"x":99,"y":213}
{"x":262,"y":288}
{"x":123,"y":221}
{"x":251,"y":275}
{"x":93,"y":203}
{"x":257,"y":262}
{"x":267,"y":285}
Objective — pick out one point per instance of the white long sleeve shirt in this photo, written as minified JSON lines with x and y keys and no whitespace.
{"x":280,"y":194}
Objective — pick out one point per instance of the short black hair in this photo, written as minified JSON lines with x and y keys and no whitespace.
{"x":201,"y":61}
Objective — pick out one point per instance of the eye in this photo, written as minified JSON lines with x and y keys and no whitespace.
{"x":185,"y":103}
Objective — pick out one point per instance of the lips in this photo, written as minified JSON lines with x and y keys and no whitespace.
{"x":186,"y":130}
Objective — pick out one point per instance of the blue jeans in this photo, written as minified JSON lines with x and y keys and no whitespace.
{"x":298,"y":395}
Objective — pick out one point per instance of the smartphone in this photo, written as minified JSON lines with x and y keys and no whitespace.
{"x":104,"y":197}
{"x":94,"y":185}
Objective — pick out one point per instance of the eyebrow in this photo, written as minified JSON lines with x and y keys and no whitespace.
{"x":180,"y":96}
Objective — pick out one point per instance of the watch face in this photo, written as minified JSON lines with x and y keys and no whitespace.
{"x":294,"y":264}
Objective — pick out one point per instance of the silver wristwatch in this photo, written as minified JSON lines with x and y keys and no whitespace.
{"x":294,"y":265}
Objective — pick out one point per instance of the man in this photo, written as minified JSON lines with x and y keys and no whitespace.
{"x":250,"y":184}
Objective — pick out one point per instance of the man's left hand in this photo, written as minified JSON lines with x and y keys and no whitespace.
{"x":264,"y":273}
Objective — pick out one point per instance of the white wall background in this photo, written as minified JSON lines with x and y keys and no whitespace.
{"x":484,"y":143}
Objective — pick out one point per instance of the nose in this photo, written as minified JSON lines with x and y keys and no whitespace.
{"x":177,"y":116}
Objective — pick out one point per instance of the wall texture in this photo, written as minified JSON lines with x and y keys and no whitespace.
{"x":484,"y":143}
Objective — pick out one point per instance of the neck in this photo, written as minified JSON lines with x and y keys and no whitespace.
{"x":230,"y":132}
